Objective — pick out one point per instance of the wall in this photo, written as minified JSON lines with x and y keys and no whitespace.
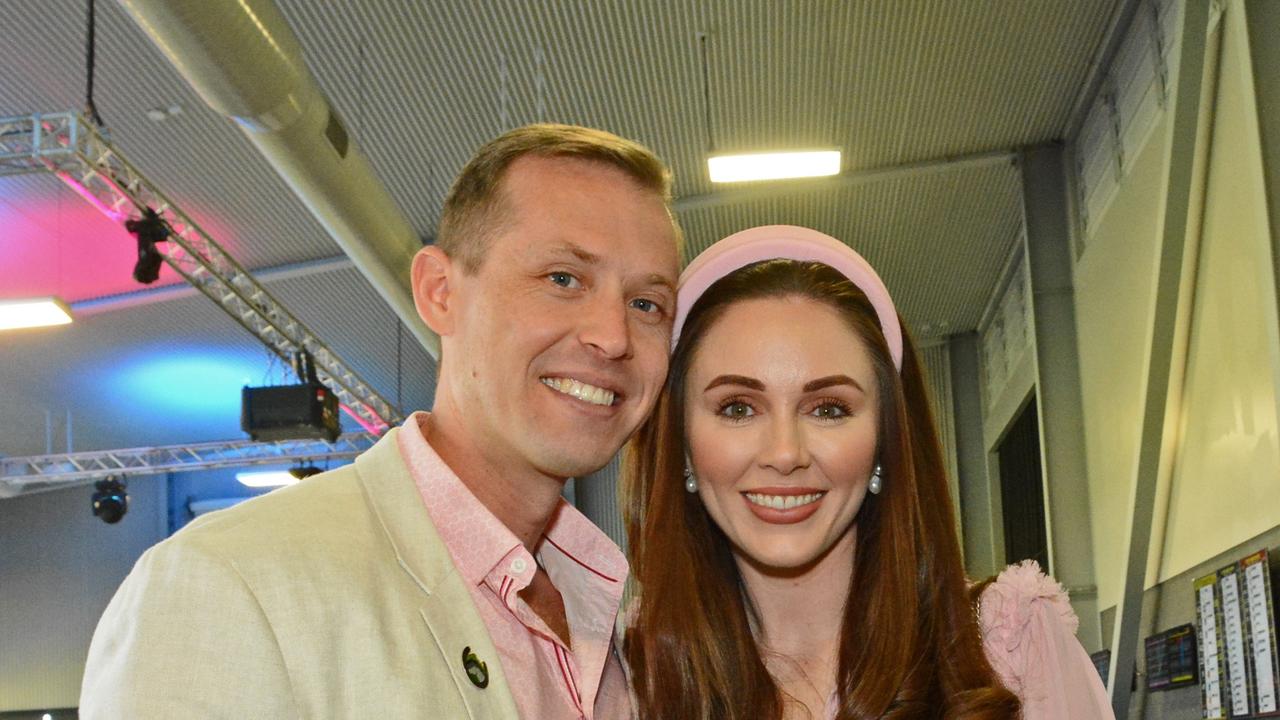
{"x":1114,"y":283}
{"x":60,"y":566}
{"x":1226,"y":474}
{"x":1225,"y":462}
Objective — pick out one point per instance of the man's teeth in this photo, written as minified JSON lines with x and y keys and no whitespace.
{"x":580,"y":390}
{"x":783,"y":502}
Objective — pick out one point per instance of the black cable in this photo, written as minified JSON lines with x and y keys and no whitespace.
{"x":706,"y":92}
{"x":399,"y":366}
{"x":89,"y":108}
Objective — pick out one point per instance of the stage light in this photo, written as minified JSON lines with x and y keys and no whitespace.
{"x":110,"y":500}
{"x":773,"y":166}
{"x":302,"y":472}
{"x":149,"y":230}
{"x":33,"y":312}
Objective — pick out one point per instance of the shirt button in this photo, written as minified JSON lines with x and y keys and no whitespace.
{"x":519,"y":565}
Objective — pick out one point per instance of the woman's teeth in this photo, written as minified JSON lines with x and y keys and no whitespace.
{"x":783,"y":502}
{"x":580,"y":390}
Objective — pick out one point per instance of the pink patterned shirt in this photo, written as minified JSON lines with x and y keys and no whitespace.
{"x":548,"y":679}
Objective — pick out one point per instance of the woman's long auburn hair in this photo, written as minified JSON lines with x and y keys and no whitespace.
{"x":910,"y":645}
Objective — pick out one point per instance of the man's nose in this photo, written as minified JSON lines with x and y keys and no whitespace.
{"x":604,"y":326}
{"x":785,"y":450}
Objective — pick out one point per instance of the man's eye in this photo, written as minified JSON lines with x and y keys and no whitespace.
{"x":645,"y":306}
{"x":564,"y":279}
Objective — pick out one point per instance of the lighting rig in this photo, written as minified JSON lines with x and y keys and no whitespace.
{"x":77,"y":153}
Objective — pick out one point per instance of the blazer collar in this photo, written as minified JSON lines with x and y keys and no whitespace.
{"x":389,"y":490}
{"x":447,"y":608}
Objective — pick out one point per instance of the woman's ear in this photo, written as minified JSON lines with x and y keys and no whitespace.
{"x":432,"y":291}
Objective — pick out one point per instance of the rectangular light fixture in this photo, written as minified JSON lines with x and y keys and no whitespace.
{"x":773,"y":166}
{"x":33,"y":312}
{"x":266,"y":478}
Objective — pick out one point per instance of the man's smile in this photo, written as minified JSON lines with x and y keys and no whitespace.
{"x":580,"y":390}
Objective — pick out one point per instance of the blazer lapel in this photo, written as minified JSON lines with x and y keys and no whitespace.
{"x":456,"y":639}
{"x":446,"y":607}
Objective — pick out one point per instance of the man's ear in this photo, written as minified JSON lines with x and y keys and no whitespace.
{"x":432,"y":291}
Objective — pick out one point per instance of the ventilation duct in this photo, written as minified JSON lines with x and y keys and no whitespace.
{"x":243,"y":59}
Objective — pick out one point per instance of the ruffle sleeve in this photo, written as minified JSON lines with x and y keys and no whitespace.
{"x":1028,"y":630}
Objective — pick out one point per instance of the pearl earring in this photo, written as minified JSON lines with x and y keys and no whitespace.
{"x":690,"y":482}
{"x":877,"y":480}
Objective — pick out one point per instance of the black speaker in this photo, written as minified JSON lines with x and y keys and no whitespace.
{"x":289,"y":412}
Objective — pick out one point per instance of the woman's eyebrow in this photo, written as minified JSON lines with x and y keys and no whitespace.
{"x":743,"y":380}
{"x":828,"y":381}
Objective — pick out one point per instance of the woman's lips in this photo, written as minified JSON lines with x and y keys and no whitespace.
{"x":783,"y":506}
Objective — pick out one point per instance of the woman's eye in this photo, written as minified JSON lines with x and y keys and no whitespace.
{"x":563,"y":279}
{"x":737,"y":410}
{"x":830,"y":411}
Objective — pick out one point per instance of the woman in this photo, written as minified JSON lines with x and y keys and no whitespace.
{"x":792,"y":535}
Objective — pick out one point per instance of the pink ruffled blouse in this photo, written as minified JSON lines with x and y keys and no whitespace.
{"x":1029,"y":634}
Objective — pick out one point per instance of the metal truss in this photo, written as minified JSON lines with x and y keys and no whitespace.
{"x":74,"y":150}
{"x":23,"y":475}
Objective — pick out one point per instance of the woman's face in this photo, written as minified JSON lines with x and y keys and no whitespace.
{"x":781,"y":411}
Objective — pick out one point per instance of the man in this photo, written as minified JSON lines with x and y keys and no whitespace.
{"x":441,"y":575}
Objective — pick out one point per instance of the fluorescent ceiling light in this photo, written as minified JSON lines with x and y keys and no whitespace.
{"x":33,"y":312}
{"x":773,"y":166}
{"x":267,"y":478}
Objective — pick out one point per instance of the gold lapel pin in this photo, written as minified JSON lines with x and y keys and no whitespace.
{"x":476,"y":670}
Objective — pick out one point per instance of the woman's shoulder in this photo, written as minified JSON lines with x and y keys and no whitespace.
{"x":1028,"y":635}
{"x":1014,"y":607}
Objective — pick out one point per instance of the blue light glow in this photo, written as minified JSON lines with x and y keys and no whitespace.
{"x":198,"y":380}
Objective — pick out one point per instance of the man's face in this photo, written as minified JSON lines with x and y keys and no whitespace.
{"x":561,"y":337}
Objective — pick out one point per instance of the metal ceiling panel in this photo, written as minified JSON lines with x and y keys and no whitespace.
{"x":421,"y":85}
{"x":939,"y":241}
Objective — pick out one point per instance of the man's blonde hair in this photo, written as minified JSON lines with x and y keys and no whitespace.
{"x":475,"y":209}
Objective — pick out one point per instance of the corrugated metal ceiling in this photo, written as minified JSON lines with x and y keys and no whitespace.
{"x":422,"y":84}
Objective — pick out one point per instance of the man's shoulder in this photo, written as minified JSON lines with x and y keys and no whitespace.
{"x":318,"y":516}
{"x":323,"y":496}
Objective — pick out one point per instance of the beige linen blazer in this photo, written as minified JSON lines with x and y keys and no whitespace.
{"x":333,"y":598}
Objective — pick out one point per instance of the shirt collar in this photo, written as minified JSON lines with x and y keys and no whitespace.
{"x":479,"y":543}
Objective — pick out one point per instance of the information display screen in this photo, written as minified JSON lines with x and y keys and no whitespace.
{"x":1171,"y":658}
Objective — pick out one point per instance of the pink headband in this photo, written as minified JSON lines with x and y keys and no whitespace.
{"x":787,"y":242}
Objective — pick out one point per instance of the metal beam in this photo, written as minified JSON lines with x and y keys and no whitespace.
{"x":849,"y":179}
{"x":1176,"y":230}
{"x":126,"y":300}
{"x":1261,"y":18}
{"x":75,"y":151}
{"x":25,"y":475}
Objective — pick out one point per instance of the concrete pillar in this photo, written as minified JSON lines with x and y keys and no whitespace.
{"x":980,"y":527}
{"x":1066,"y":485}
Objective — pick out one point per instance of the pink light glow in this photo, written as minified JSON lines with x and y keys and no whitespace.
{"x":52,"y":242}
